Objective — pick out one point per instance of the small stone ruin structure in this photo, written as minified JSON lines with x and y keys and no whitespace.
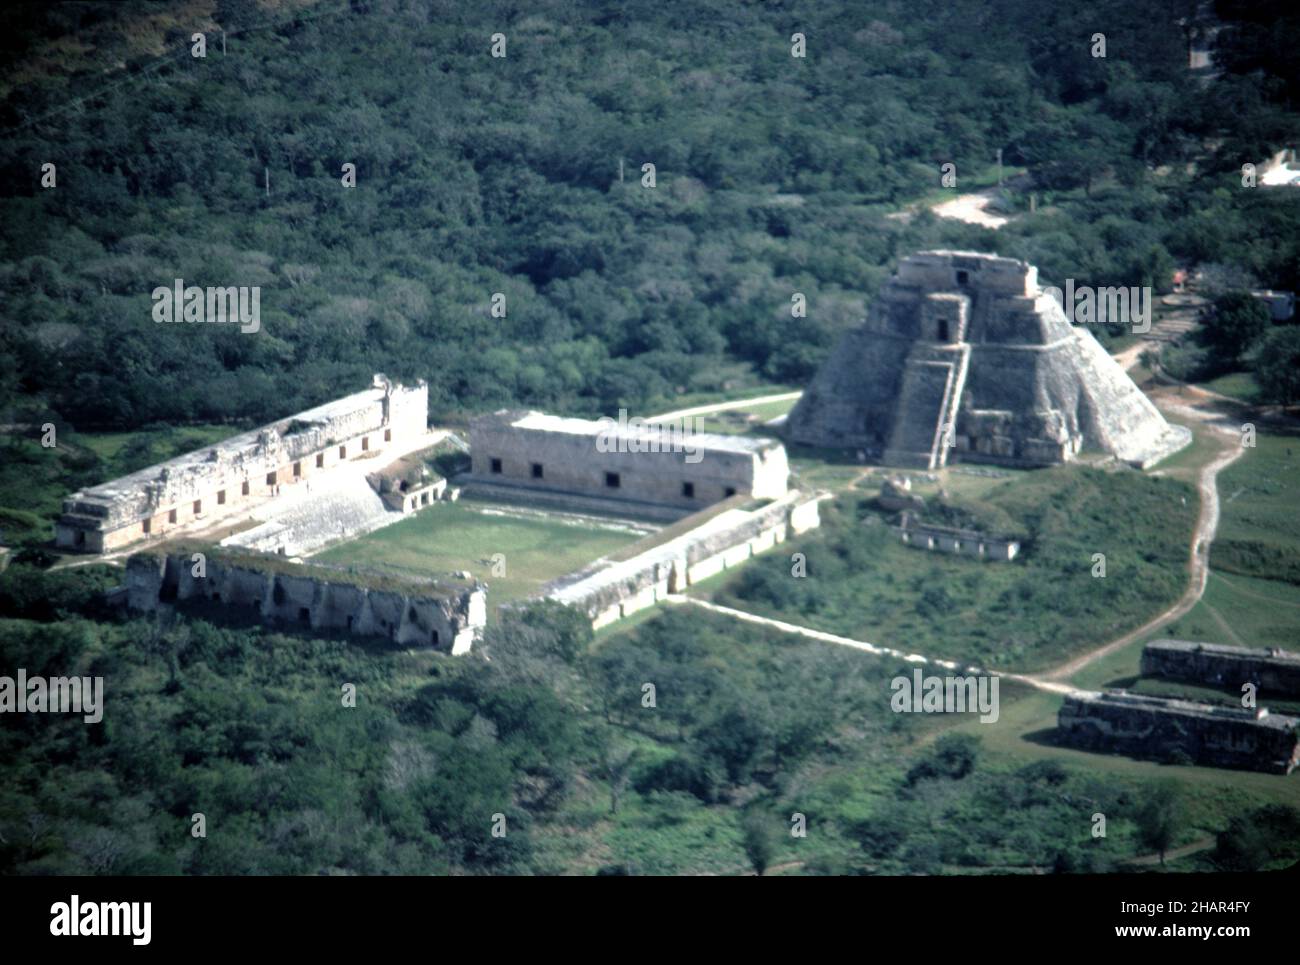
{"x":1274,"y":670}
{"x":964,"y":357}
{"x":446,"y":614}
{"x":896,"y":494}
{"x":407,"y":484}
{"x":1160,"y":727}
{"x":948,"y":539}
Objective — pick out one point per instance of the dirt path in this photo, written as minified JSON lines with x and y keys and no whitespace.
{"x":1201,"y":844}
{"x":1207,"y":524}
{"x":1236,"y":588}
{"x":724,"y":406}
{"x":743,"y":615}
{"x":972,"y":209}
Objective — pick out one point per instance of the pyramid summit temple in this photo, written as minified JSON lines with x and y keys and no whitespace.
{"x":964,"y":357}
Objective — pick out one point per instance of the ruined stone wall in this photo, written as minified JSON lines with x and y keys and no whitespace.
{"x":961,"y":542}
{"x":1154,"y":727}
{"x":449,"y":618}
{"x":1218,"y":665}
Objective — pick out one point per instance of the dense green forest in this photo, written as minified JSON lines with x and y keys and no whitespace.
{"x":477,"y":175}
{"x":248,"y":728}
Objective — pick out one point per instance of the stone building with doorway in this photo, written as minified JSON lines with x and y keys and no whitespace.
{"x":624,"y":465}
{"x":200,"y":488}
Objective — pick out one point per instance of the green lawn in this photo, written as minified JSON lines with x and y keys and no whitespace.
{"x":466,"y":535}
{"x":1260,"y":493}
{"x":1235,"y":385}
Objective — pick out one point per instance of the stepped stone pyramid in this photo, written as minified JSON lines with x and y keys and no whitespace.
{"x":964,"y":357}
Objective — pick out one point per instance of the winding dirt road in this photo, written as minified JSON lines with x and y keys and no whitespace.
{"x":1189,"y":404}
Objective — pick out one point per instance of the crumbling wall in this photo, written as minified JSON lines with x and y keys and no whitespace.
{"x":1218,"y":665}
{"x":449,"y":618}
{"x":1155,"y":727}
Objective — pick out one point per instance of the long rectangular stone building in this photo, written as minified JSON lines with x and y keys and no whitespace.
{"x":1273,"y":670}
{"x":444,"y":614}
{"x":199,"y":488}
{"x":624,"y":462}
{"x":1158,"y":727}
{"x":716,"y":540}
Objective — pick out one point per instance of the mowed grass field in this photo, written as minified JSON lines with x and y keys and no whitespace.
{"x":467,"y":535}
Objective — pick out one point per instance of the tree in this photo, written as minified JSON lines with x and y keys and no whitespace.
{"x":759,"y":842}
{"x":1238,"y":319}
{"x":1277,"y":366}
{"x":616,"y":764}
{"x":1159,"y":817}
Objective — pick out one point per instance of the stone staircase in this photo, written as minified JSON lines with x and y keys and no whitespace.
{"x":928,"y":399}
{"x":313,"y":520}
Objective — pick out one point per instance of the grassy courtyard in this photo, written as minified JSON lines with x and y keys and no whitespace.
{"x":467,"y":535}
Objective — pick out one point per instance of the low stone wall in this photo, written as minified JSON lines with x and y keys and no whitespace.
{"x":1158,"y":727}
{"x":1219,"y":665}
{"x":963,"y":542}
{"x":448,"y":617}
{"x":619,"y":589}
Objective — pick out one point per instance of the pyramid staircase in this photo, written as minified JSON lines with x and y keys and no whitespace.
{"x":934,"y":376}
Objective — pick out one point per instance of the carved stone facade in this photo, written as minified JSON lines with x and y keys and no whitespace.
{"x":200,"y":488}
